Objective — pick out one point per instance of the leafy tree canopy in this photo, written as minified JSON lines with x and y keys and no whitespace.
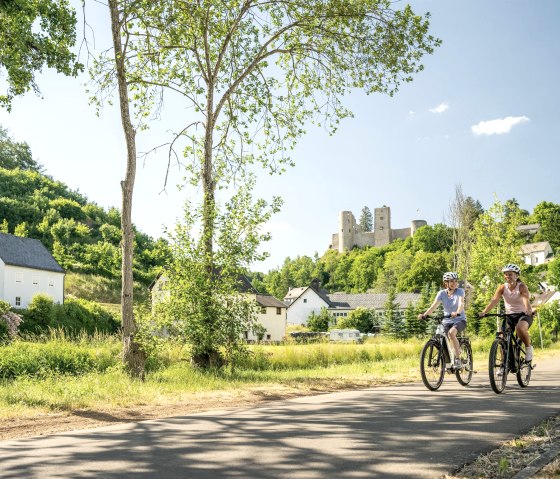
{"x":34,"y":34}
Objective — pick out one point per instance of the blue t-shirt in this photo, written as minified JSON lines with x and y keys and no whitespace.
{"x":451,"y":304}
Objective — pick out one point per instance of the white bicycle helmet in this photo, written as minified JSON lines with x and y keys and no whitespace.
{"x":450,"y":275}
{"x":511,"y":267}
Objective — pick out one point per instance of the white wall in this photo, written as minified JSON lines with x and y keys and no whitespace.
{"x":301,"y":308}
{"x":274,"y":323}
{"x":2,"y":268}
{"x":24,"y":283}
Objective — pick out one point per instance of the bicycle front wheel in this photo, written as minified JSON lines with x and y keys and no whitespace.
{"x":432,"y":366}
{"x":464,"y":375}
{"x":523,"y":370}
{"x":497,"y":367}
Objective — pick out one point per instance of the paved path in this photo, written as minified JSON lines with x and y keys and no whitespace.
{"x":385,"y":432}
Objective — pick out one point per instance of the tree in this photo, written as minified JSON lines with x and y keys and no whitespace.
{"x":366,"y":220}
{"x":35,"y":34}
{"x":15,"y":155}
{"x":463,"y":213}
{"x":433,"y":239}
{"x":393,"y":324}
{"x":553,"y":275}
{"x":256,"y":73}
{"x":319,"y":322}
{"x":547,"y":214}
{"x":495,"y":242}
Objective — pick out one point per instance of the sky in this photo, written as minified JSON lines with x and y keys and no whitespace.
{"x":484,"y":114}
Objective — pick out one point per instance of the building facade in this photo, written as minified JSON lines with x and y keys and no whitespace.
{"x":350,"y":236}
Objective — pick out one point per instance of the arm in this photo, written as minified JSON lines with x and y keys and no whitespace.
{"x":524,"y":291}
{"x":494,"y":301}
{"x":430,"y":309}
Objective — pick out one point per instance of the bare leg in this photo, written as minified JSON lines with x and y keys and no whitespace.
{"x":522,"y":329}
{"x":453,"y":337}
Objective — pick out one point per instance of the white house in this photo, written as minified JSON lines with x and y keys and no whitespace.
{"x":28,"y":268}
{"x":537,"y":253}
{"x":272,"y":316}
{"x":272,"y":312}
{"x":304,"y":301}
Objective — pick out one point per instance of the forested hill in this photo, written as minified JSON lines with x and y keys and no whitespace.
{"x":82,"y":236}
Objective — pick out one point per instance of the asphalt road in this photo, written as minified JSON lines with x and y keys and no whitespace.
{"x":402,"y":431}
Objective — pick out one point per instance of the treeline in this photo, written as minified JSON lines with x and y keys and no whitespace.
{"x":82,"y":236}
{"x":477,"y":246}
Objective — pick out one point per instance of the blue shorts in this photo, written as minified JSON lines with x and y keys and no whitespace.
{"x":458,"y":325}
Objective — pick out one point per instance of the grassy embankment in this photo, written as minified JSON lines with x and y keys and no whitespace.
{"x":57,"y":374}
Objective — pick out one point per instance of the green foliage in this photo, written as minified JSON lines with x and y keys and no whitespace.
{"x":393,"y":323}
{"x":496,"y":242}
{"x":35,"y":34}
{"x":319,"y":322}
{"x":549,"y":315}
{"x":553,"y":275}
{"x":81,"y":236}
{"x":366,"y":220}
{"x":547,"y":214}
{"x":73,"y":317}
{"x":54,"y":357}
{"x":433,"y":239}
{"x":14,"y":154}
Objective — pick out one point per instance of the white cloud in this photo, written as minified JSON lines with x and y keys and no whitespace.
{"x":440,"y":108}
{"x":498,"y":127}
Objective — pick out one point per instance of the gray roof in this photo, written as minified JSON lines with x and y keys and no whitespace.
{"x":267,"y":300}
{"x":27,"y":253}
{"x":535,"y":247}
{"x":370,"y":300}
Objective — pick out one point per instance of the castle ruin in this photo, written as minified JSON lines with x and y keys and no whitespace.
{"x":350,"y":236}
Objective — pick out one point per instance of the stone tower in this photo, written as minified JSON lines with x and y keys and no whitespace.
{"x":347,"y":229}
{"x":382,"y":226}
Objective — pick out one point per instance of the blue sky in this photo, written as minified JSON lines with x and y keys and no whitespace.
{"x":483,"y":114}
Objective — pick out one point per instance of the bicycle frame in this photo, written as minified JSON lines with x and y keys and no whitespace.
{"x":507,"y":354}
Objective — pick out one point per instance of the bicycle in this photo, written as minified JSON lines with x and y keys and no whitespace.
{"x":507,"y":355}
{"x":438,"y":357}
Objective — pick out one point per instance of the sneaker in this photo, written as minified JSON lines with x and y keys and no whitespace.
{"x":529,"y":354}
{"x":500,"y":372}
{"x":458,"y":364}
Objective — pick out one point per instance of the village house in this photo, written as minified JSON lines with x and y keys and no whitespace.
{"x":304,"y":301}
{"x":272,"y":312}
{"x":28,"y":268}
{"x":537,"y":253}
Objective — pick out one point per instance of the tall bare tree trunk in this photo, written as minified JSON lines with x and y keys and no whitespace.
{"x":133,"y":355}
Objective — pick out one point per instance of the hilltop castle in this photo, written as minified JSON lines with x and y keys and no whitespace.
{"x":349,"y":235}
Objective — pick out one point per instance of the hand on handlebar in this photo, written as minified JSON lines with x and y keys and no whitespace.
{"x":481,"y":315}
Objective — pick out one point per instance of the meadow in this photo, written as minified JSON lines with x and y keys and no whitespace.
{"x":55,"y":373}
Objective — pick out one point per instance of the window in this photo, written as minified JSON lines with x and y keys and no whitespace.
{"x":19,"y":277}
{"x":18,"y":301}
{"x":268,"y":337}
{"x":305,"y":300}
{"x":35,"y":279}
{"x":278,"y":310}
{"x":263,"y":310}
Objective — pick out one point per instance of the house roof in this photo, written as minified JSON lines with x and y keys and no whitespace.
{"x":543,"y":298}
{"x":27,"y":253}
{"x":243,"y":283}
{"x":294,"y":293}
{"x":370,"y":300}
{"x":535,"y":247}
{"x":532,"y":228}
{"x":267,"y":300}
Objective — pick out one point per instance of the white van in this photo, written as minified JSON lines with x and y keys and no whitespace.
{"x":349,"y":335}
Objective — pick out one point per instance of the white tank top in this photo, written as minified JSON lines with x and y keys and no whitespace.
{"x":513,"y":299}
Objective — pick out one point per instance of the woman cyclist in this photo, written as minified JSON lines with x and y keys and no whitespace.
{"x":453,"y":300}
{"x":518,"y":305}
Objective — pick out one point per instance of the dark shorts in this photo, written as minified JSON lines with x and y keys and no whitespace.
{"x":459,"y":326}
{"x":513,"y":319}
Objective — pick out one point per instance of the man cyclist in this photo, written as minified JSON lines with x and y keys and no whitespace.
{"x":518,"y":305}
{"x":452,"y":298}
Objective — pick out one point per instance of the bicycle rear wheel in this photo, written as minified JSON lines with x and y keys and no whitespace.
{"x":523,"y":370}
{"x":464,"y":375}
{"x":497,"y":367}
{"x":432,"y":366}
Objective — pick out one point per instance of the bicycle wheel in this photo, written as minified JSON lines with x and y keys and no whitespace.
{"x":523,"y":370}
{"x":464,"y":375}
{"x":497,"y":367}
{"x":432,"y":367}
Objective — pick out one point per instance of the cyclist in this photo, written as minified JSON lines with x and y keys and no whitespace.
{"x":518,"y":305}
{"x":453,"y":300}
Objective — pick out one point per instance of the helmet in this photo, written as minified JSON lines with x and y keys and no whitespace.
{"x":450,"y":275}
{"x":511,"y":267}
